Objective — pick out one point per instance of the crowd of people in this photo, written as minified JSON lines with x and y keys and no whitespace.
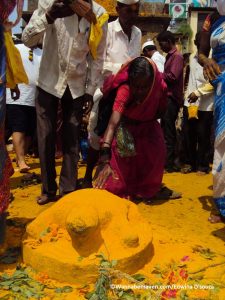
{"x":129,"y":94}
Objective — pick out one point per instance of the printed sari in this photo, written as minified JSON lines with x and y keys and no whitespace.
{"x":6,"y":170}
{"x":218,"y":47}
{"x":140,"y":173}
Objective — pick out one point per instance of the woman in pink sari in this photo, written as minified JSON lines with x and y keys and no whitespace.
{"x":133,"y":152}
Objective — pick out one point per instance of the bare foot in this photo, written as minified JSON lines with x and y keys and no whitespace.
{"x":215,"y":219}
{"x":201,"y":173}
{"x":23,"y":167}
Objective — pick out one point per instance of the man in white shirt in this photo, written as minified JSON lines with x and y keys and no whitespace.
{"x":149,"y":50}
{"x":21,"y":114}
{"x":123,"y":37}
{"x":197,"y":129}
{"x":67,"y":72}
{"x":123,"y":43}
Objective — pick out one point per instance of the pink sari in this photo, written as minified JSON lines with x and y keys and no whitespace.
{"x":140,"y":175}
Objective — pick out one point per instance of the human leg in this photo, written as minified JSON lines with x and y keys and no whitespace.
{"x":169,"y":130}
{"x":72,"y":110}
{"x":94,"y":141}
{"x":189,"y":130}
{"x":92,"y":159}
{"x":58,"y":153}
{"x":17,"y":120}
{"x":205,"y":122}
{"x":19,"y":143}
{"x":46,"y":108}
{"x":31,"y":129}
{"x":218,"y":172}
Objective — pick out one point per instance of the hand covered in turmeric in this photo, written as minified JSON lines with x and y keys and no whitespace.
{"x":103,"y":172}
{"x":210,"y":68}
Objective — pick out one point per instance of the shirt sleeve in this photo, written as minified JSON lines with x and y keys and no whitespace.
{"x":159,"y":61}
{"x":122,"y":98}
{"x":204,"y":89}
{"x":34,"y":31}
{"x":175,"y":71}
{"x":95,"y":76}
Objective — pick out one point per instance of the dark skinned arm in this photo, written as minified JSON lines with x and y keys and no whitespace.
{"x":15,"y":93}
{"x":104,"y":169}
{"x":210,"y":68}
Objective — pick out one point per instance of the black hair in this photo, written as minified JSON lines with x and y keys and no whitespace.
{"x":198,"y":38}
{"x":166,"y":36}
{"x":140,"y":66}
{"x":150,"y":48}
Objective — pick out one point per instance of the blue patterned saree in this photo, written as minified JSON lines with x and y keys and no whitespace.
{"x":218,"y":47}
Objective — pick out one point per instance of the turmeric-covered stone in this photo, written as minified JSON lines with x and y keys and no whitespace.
{"x":64,"y":240}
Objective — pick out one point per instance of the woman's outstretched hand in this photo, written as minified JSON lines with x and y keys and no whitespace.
{"x":103,"y":172}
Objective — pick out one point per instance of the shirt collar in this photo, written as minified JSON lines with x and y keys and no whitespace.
{"x":118,"y":27}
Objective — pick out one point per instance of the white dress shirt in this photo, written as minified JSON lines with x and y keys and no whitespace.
{"x":199,"y":86}
{"x":64,"y":61}
{"x":27,"y":91}
{"x":119,"y":48}
{"x":159,"y":60}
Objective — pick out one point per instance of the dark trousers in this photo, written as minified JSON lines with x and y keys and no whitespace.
{"x":47,"y":106}
{"x":197,"y":139}
{"x":168,"y":123}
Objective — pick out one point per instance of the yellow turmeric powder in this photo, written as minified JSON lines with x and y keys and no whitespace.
{"x":83,"y":224}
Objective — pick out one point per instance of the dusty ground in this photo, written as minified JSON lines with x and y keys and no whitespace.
{"x":187,"y":248}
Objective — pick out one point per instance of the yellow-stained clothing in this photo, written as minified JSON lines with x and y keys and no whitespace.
{"x":15,"y":72}
{"x":96,"y":34}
